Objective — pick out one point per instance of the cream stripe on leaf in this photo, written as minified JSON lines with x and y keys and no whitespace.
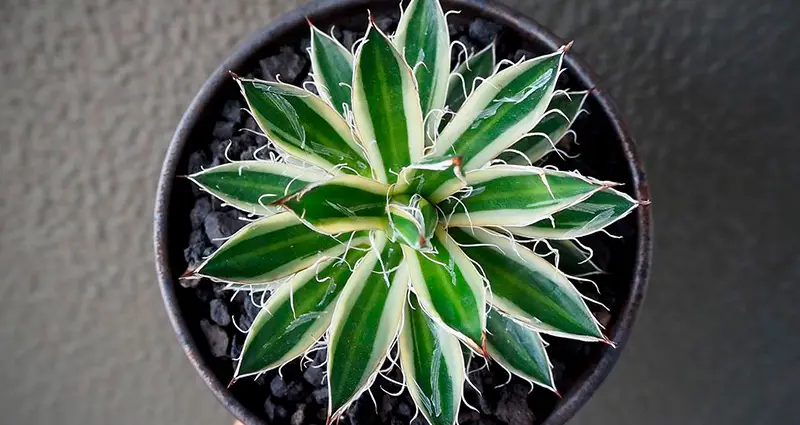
{"x":509,"y":195}
{"x":341,"y":204}
{"x":450,"y":289}
{"x":252,"y":186}
{"x":423,"y":38}
{"x":365,"y":323}
{"x":272,"y":248}
{"x":304,"y":126}
{"x":527,"y":287}
{"x":554,"y":125}
{"x":433,"y":365}
{"x":296,"y":315}
{"x":332,"y":65}
{"x":386,"y":107}
{"x":583,"y":218}
{"x":518,"y":349}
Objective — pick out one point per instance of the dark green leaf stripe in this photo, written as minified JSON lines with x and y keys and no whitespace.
{"x":553,"y":124}
{"x":586,"y":217}
{"x":471,"y":71}
{"x":517,"y":196}
{"x":425,"y":177}
{"x":527,"y":287}
{"x":296,"y":315}
{"x":423,"y":37}
{"x":500,"y":111}
{"x":572,"y":260}
{"x":365,"y":323}
{"x":304,"y":126}
{"x":449,"y":288}
{"x":332,"y":65}
{"x":243,"y":184}
{"x":271,"y":248}
{"x":518,"y":349}
{"x":433,"y":365}
{"x":341,"y":204}
{"x":386,"y":107}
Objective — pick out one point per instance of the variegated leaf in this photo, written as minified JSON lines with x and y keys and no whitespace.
{"x":386,"y":107}
{"x":561,"y":113}
{"x":518,"y":349}
{"x":252,"y":186}
{"x":332,"y":65}
{"x":365,"y":323}
{"x":583,"y":218}
{"x":450,"y":289}
{"x":527,"y":287}
{"x":423,"y":38}
{"x":296,"y":315}
{"x":433,"y":365}
{"x":272,"y":248}
{"x":500,"y":111}
{"x":469,"y":75}
{"x":304,"y":126}
{"x":341,"y":204}
{"x":412,"y":220}
{"x":511,"y":195}
{"x":568,"y":257}
{"x":425,"y":176}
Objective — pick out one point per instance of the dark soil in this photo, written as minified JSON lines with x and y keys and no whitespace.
{"x":300,"y":397}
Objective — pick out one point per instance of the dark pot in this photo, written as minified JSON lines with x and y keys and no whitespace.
{"x":174,"y":196}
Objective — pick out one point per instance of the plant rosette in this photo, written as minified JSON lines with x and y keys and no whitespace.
{"x":410,"y":217}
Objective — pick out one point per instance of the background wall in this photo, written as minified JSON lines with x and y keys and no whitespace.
{"x":91,"y":90}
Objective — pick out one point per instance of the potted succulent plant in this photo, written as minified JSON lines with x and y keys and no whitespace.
{"x":409,"y":209}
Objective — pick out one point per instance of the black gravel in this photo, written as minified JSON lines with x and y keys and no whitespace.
{"x":300,"y":397}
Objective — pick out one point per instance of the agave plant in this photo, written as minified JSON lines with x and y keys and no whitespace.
{"x":401,"y":208}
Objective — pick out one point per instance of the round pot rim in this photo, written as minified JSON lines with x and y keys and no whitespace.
{"x":618,"y":333}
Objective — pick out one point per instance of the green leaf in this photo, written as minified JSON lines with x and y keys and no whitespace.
{"x":553,"y":124}
{"x":425,"y":176}
{"x":332,"y":65}
{"x":252,"y":186}
{"x":296,"y":315}
{"x":386,"y":107}
{"x":527,"y":287}
{"x":412,"y":220}
{"x":423,"y":37}
{"x":272,"y":248}
{"x":468,"y":76}
{"x":510,"y":195}
{"x":365,"y":323}
{"x":568,"y":257}
{"x":304,"y":126}
{"x":584,"y":218}
{"x":500,"y":111}
{"x":433,"y":365}
{"x":518,"y":349}
{"x":341,"y":204}
{"x":450,"y":289}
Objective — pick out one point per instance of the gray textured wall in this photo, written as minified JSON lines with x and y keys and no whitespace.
{"x":90,"y":92}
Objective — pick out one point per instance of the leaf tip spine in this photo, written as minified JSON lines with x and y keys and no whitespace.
{"x":234,"y":75}
{"x":230,"y":384}
{"x":484,"y":346}
{"x":188,"y":273}
{"x":567,"y":46}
